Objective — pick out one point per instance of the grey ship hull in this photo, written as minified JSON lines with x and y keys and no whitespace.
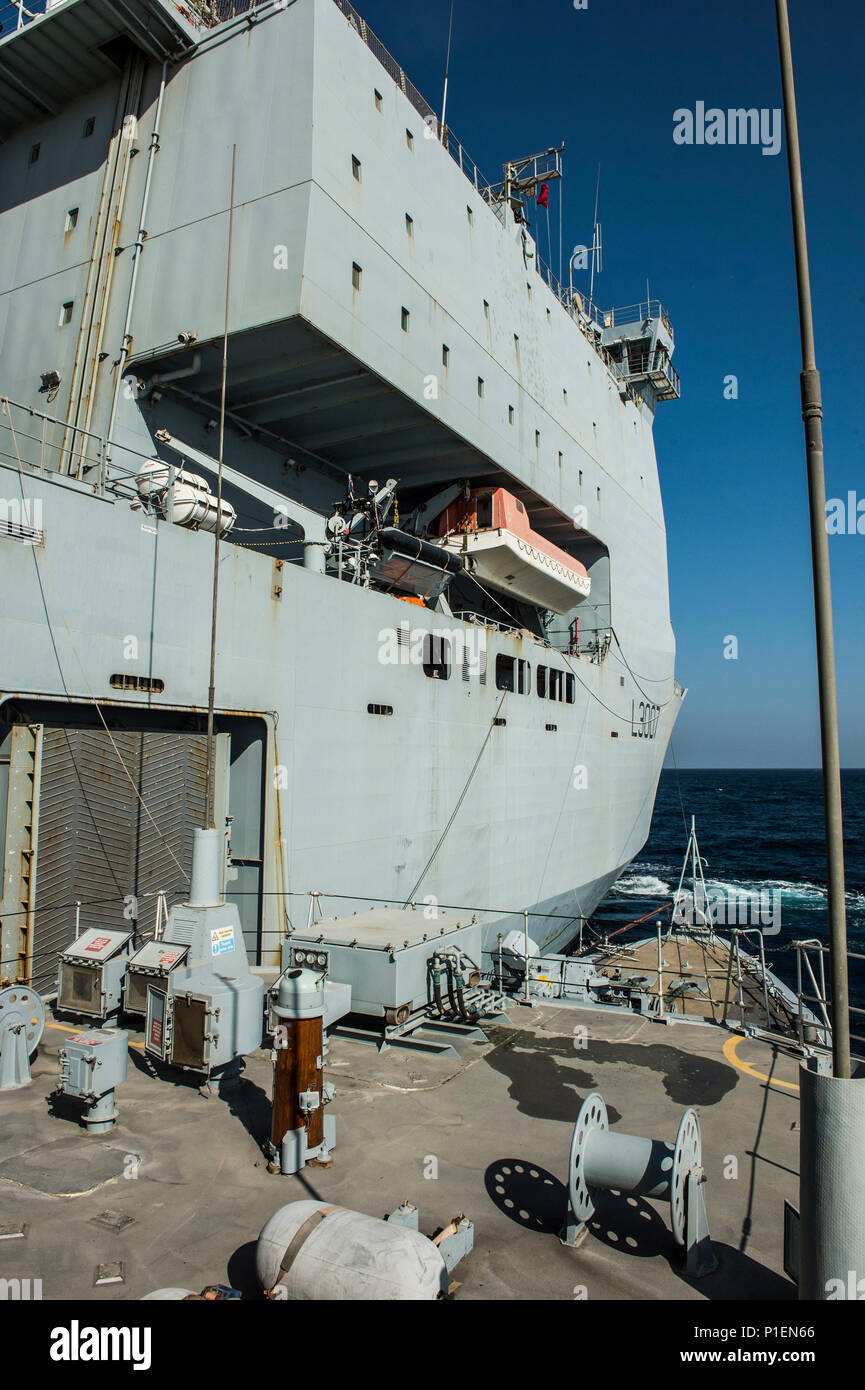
{"x":344,"y":774}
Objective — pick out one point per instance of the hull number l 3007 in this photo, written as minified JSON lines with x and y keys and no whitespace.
{"x":644,"y":719}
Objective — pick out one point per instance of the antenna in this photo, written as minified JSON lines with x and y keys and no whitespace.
{"x":447,"y":68}
{"x":597,"y":249}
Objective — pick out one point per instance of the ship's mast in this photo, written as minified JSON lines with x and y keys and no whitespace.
{"x":812,"y":415}
{"x":209,"y":799}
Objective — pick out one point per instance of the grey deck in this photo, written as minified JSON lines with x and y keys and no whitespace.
{"x":497,"y":1121}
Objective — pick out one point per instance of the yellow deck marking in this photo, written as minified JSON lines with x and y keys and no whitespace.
{"x":82,"y":1028}
{"x":729,"y":1051}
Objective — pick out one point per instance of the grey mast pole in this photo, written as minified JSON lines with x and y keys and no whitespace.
{"x":812,"y":415}
{"x":209,"y":797}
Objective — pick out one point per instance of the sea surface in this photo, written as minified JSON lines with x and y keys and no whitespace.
{"x":761,"y":839}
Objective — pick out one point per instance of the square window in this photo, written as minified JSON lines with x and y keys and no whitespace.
{"x":355,"y":167}
{"x":377,"y":95}
{"x":405,"y":319}
{"x":89,"y":127}
{"x":409,"y":138}
{"x":356,"y":273}
{"x":66,"y":313}
{"x":71,"y":219}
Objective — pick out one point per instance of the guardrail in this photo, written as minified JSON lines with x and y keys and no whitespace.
{"x":820,"y":997}
{"x":43,"y":444}
{"x":15,"y":14}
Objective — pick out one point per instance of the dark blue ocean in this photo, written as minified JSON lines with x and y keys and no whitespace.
{"x":760,"y":832}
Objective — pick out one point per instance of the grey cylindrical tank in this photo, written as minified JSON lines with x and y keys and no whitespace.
{"x":332,"y":1253}
{"x":207,"y":848}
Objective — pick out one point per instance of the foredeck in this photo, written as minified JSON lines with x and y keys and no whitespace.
{"x":177,"y":1194}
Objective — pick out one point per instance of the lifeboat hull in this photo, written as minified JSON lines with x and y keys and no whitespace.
{"x":515,"y":566}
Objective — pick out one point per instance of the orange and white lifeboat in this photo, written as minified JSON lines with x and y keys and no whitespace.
{"x":491,"y":529}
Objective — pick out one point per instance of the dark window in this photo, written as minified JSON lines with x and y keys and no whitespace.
{"x":556,"y":684}
{"x":505,"y":673}
{"x":524,"y":677}
{"x":446,"y":354}
{"x":379,"y":709}
{"x":510,"y":415}
{"x":405,"y":319}
{"x":541,"y":681}
{"x":436,"y":657}
{"x":570,"y":689}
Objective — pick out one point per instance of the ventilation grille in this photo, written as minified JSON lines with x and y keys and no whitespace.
{"x":151,"y":685}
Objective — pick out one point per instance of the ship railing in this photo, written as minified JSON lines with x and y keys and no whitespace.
{"x":593,"y":642}
{"x":812,"y":993}
{"x":42,"y":444}
{"x":15,"y":14}
{"x":652,"y":364}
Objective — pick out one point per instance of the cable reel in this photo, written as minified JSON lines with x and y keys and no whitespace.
{"x":626,"y":1163}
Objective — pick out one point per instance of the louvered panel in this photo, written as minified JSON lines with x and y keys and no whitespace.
{"x":173,"y":777}
{"x":96,"y":842}
{"x":54,"y":920}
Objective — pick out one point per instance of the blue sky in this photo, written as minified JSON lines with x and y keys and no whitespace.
{"x":710,"y":228}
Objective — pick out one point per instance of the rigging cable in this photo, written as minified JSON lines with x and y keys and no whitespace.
{"x":460,"y":801}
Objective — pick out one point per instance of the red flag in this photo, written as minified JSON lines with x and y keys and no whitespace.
{"x":544,"y":195}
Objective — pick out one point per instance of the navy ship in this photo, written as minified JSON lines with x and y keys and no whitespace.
{"x":444,"y":663}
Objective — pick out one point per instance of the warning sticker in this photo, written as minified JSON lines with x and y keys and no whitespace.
{"x":168,"y":957}
{"x":98,"y":943}
{"x":156,"y":1032}
{"x":221,"y":940}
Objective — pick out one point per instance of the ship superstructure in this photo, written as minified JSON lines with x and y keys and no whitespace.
{"x":394,"y":722}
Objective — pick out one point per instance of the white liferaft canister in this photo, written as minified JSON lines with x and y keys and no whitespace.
{"x":309,"y":1251}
